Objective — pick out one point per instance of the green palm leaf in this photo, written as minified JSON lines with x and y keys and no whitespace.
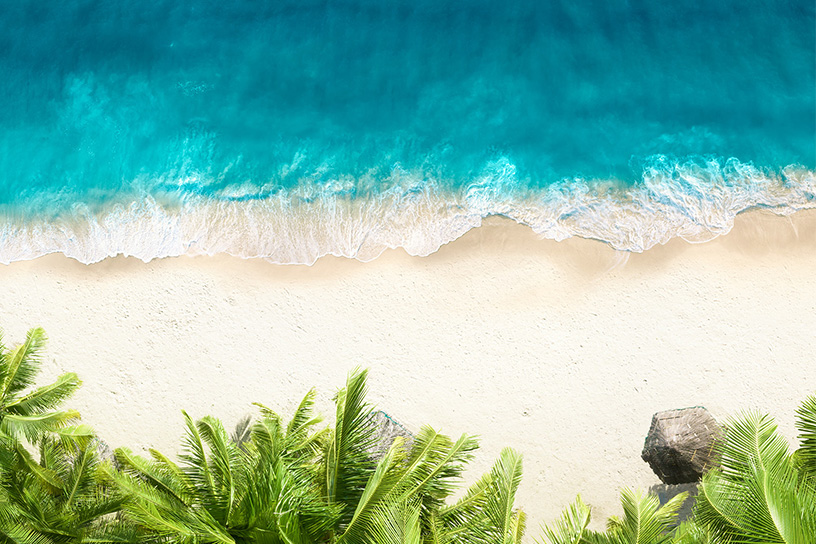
{"x":33,"y":426}
{"x":195,"y":460}
{"x":81,"y":477}
{"x":222,"y":493}
{"x":61,"y":498}
{"x":226,"y":466}
{"x":571,"y":528}
{"x":22,"y":364}
{"x":467,"y":514}
{"x":433,"y":466}
{"x":48,"y":477}
{"x":47,"y":397}
{"x":375,"y":490}
{"x":163,"y":518}
{"x":644,"y":520}
{"x":347,"y":464}
{"x":164,"y":475}
{"x":691,"y":532}
{"x":397,"y":523}
{"x":268,"y":438}
{"x":757,"y":495}
{"x":507,"y":523}
{"x":303,"y":419}
{"x":75,"y":435}
{"x":31,"y":415}
{"x":806,"y":423}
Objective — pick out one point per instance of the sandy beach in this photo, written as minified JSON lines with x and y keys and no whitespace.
{"x":563,"y":350}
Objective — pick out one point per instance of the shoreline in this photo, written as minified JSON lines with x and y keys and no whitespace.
{"x":673,"y":200}
{"x":562,"y":350}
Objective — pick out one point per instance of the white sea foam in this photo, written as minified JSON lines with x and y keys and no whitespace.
{"x":696,"y":201}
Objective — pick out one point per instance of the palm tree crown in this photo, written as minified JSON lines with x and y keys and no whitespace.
{"x":30,"y":414}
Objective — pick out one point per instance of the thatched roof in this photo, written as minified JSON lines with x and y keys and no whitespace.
{"x":680,"y":444}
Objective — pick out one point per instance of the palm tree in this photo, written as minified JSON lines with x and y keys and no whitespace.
{"x":644,"y":521}
{"x":423,"y":477}
{"x":290,"y":483}
{"x":60,"y":498}
{"x":259,"y":492}
{"x":762,"y":493}
{"x":403,"y":495}
{"x":487,"y":513}
{"x":31,"y":414}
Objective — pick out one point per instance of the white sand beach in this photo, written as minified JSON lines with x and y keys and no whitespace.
{"x":563,"y":350}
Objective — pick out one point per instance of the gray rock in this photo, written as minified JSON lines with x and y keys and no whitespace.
{"x":665,"y":493}
{"x":388,"y":429}
{"x":680,"y":444}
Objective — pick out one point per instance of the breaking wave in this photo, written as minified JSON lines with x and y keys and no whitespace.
{"x":696,"y":200}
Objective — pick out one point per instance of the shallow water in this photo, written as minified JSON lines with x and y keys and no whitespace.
{"x":293,"y":130}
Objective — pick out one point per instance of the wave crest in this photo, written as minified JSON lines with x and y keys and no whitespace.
{"x":696,"y":200}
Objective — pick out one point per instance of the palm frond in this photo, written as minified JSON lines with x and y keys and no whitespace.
{"x":163,"y":517}
{"x":162,"y":474}
{"x":226,"y":466}
{"x":433,"y":466}
{"x":81,"y":478}
{"x":470,"y":508}
{"x":347,"y":462}
{"x":517,"y":527}
{"x":3,"y":358}
{"x":806,"y":424}
{"x":22,"y":364}
{"x":644,"y":520}
{"x":91,"y":510}
{"x":571,"y":527}
{"x":166,"y":464}
{"x":757,"y":495}
{"x":267,"y":437}
{"x":47,"y":397}
{"x":282,"y":501}
{"x":14,"y":532}
{"x":505,"y":519}
{"x":33,"y":426}
{"x":377,"y":487}
{"x":397,"y":522}
{"x":195,"y":461}
{"x":242,"y":431}
{"x":691,"y":532}
{"x":75,"y":435}
{"x":48,"y":477}
{"x":303,"y":418}
{"x":112,"y":532}
{"x":62,"y":496}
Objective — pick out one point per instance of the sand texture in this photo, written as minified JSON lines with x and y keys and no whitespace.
{"x":563,"y":350}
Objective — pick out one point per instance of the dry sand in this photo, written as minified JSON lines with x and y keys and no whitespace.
{"x":561,"y":349}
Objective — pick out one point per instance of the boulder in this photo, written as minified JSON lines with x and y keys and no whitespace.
{"x":680,"y":444}
{"x":666,"y":492}
{"x":387,"y":430}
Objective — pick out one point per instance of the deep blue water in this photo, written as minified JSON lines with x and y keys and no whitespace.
{"x":294,"y":129}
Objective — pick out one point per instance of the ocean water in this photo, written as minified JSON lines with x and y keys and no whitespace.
{"x":290,"y":130}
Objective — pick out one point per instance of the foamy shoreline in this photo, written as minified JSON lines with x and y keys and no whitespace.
{"x":687,"y":200}
{"x":562,"y":350}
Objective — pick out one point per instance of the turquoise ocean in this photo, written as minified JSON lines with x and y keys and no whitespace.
{"x":293,"y":129}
